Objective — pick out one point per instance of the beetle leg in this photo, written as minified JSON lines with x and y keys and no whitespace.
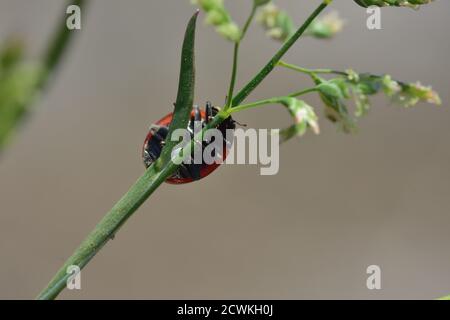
{"x":241,"y":124}
{"x":209,"y":111}
{"x":197,"y":113}
{"x":195,"y":171}
{"x":184,"y":171}
{"x":160,"y":134}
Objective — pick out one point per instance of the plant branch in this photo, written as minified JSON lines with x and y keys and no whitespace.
{"x":236,"y":58}
{"x":269,"y":101}
{"x":254,"y":105}
{"x":303,"y":92}
{"x":108,"y":226}
{"x":265,"y":71}
{"x":314,"y":72}
{"x":233,"y":76}
{"x":309,"y":71}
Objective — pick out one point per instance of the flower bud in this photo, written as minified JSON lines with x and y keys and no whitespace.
{"x":218,"y":16}
{"x":327,"y":26}
{"x":230,"y":31}
{"x":413,"y":93}
{"x":278,"y":24}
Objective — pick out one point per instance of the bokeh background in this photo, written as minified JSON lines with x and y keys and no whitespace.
{"x":339,"y":203}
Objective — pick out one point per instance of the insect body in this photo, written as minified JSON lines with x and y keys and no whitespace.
{"x":190,"y":172}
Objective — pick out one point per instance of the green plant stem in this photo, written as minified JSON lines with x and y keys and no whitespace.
{"x":244,"y":93}
{"x":118,"y":215}
{"x":275,"y":100}
{"x":236,"y":58}
{"x":50,"y":60}
{"x":303,"y":92}
{"x":309,"y":71}
{"x":233,"y":76}
{"x":254,"y":105}
{"x":109,"y":225}
{"x":314,"y":72}
{"x":152,"y":179}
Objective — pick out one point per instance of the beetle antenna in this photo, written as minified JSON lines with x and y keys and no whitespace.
{"x":241,"y":124}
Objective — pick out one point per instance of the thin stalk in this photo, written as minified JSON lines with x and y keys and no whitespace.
{"x":314,"y":72}
{"x":248,"y":22}
{"x":303,"y":92}
{"x":233,"y":76}
{"x":309,"y":71}
{"x":109,"y":225}
{"x":152,"y":179}
{"x":236,"y":58}
{"x":268,"y":101}
{"x":244,"y":93}
{"x":254,"y":105}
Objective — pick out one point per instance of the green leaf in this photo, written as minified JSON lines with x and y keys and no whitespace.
{"x":186,"y":86}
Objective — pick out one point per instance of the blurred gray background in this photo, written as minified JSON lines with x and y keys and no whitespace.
{"x":339,"y":203}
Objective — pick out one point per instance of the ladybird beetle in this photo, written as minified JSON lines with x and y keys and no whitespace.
{"x":186,"y":173}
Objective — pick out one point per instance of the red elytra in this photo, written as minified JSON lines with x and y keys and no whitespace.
{"x":185,"y":173}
